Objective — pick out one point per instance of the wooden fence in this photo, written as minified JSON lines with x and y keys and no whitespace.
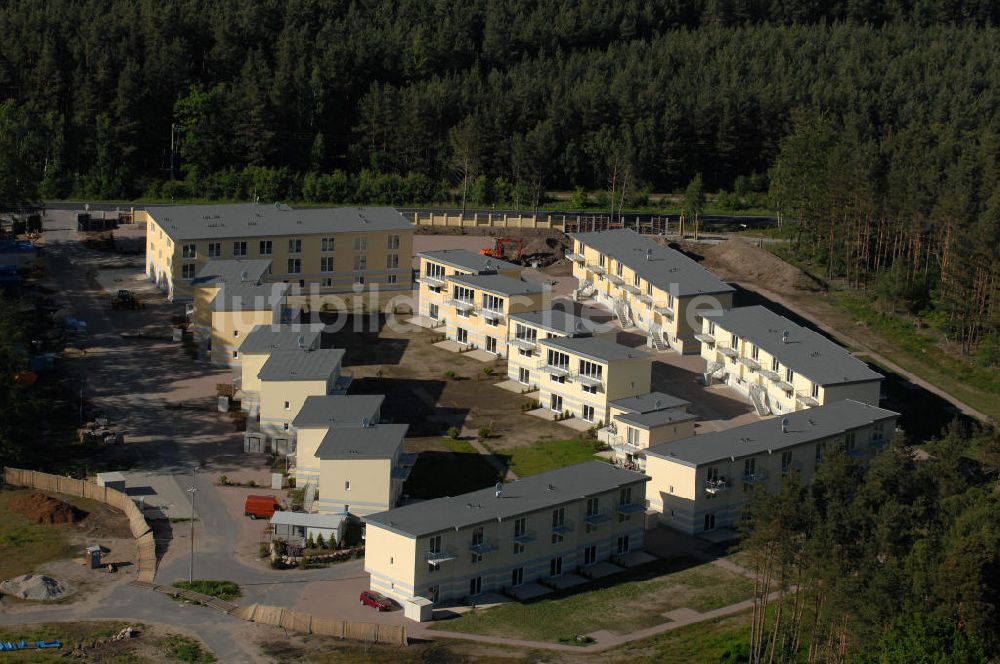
{"x":143,"y":534}
{"x":305,"y":623}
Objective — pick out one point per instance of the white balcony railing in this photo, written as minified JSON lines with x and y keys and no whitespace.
{"x":716,"y":486}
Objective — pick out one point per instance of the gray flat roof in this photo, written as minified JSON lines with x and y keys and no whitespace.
{"x":526,"y":495}
{"x":806,"y":353}
{"x":649,"y":402}
{"x":766,"y":436}
{"x":655,"y":418}
{"x":331,"y":410}
{"x":232,"y":271}
{"x":380,"y":441}
{"x":468,"y":260}
{"x":497,"y":283}
{"x":667,"y":269}
{"x":557,"y":320}
{"x":594,"y":348}
{"x":268,"y":338}
{"x":247,"y":296}
{"x":301,"y":364}
{"x":331,"y":521}
{"x":242,"y":220}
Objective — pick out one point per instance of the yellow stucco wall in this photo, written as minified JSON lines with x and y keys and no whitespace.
{"x":230,"y":328}
{"x":274,"y":415}
{"x":370,"y":481}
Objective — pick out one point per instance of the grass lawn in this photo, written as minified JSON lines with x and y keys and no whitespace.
{"x":25,"y":545}
{"x":150,"y":646}
{"x":548,"y":455}
{"x":620,"y":604}
{"x":711,"y":642}
{"x":224,"y":590}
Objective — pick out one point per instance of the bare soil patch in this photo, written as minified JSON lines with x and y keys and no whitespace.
{"x":42,"y":509}
{"x":738,"y":260}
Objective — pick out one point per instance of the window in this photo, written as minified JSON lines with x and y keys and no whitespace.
{"x":391,"y":279}
{"x":236,"y":333}
{"x":392,"y":242}
{"x":294,"y":265}
{"x":476,"y":558}
{"x":328,"y":282}
{"x":265,"y":247}
{"x":492,"y":302}
{"x":593,"y":506}
{"x":236,"y":354}
{"x":288,"y":405}
{"x":518,"y":548}
{"x":285,"y":427}
{"x":517,"y":576}
{"x":619,"y":268}
{"x":591,"y":369}
{"x":477,"y":536}
{"x":635,"y":279}
{"x":432,"y":311}
{"x":188,"y":271}
{"x":239,"y":248}
{"x":786,"y":462}
{"x":601,"y":259}
{"x":850,"y":439}
{"x":189,"y":251}
{"x":392,"y":261}
{"x":491,"y":345}
{"x":711,"y":327}
{"x":590,"y":555}
{"x":326,"y":264}
{"x":710,"y":521}
{"x":347,"y":485}
{"x":623,"y":545}
{"x":476,"y":585}
{"x":434,"y":270}
{"x":820,"y":449}
{"x":295,"y":246}
{"x":774,"y":364}
{"x":749,"y":468}
{"x":556,"y":403}
{"x":462,"y":335}
{"x":555,"y":566}
{"x":789,"y":375}
{"x":360,"y":280}
{"x":588,"y":413}
{"x":632,"y":436}
{"x":558,"y":360}
{"x":625,"y":495}
{"x":525,"y":332}
{"x":755,"y":351}
{"x":559,"y":517}
{"x":434,"y":544}
{"x":361,"y":243}
{"x":734,"y":342}
{"x":815,"y":390}
{"x":649,"y":289}
{"x":361,"y":262}
{"x":327,"y":244}
{"x":523,"y":376}
{"x":520,"y":527}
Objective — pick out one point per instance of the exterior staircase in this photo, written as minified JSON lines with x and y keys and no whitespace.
{"x":308,"y":497}
{"x":656,"y":338}
{"x":759,"y":398}
{"x":622,"y":314}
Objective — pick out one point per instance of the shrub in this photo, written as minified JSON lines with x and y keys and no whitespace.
{"x":450,"y":375}
{"x":310,"y":542}
{"x":484,"y":432}
{"x":304,"y":562}
{"x":251,"y":484}
{"x":265,"y":550}
{"x":454,"y":433}
{"x":320,"y":542}
{"x":224,"y":590}
{"x":224,"y":480}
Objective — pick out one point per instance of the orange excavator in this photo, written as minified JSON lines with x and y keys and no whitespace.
{"x":500,"y":251}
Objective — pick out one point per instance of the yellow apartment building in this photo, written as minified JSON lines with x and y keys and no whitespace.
{"x":258,"y":345}
{"x":526,"y":329}
{"x":336,"y":250}
{"x":660,"y":291}
{"x":361,"y":469}
{"x":236,"y":310}
{"x":478,"y":312}
{"x":208,"y":282}
{"x":639,"y":422}
{"x":434,"y":268}
{"x":780,"y":366}
{"x":585,"y":374}
{"x":317,"y":416}
{"x":287,"y":379}
{"x":506,"y":539}
{"x":703,"y":483}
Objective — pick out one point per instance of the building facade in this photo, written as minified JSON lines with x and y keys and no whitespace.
{"x":335,"y":250}
{"x":361,"y":469}
{"x":434,"y":268}
{"x":209,"y":281}
{"x":497,"y":540}
{"x":239,"y":308}
{"x":583,"y":375}
{"x":780,"y":366}
{"x":658,"y":290}
{"x":526,"y":329}
{"x":639,"y":422}
{"x":257,"y":346}
{"x":704,"y":482}
{"x":477,"y":313}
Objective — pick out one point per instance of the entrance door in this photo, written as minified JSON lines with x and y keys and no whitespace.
{"x":555,"y":403}
{"x":524,"y":376}
{"x":476,"y":585}
{"x":555,"y":566}
{"x":462,"y":335}
{"x":432,"y":593}
{"x":432,"y":311}
{"x":590,"y":555}
{"x":710,"y":521}
{"x":517,"y":577}
{"x":623,"y":544}
{"x":491,"y":345}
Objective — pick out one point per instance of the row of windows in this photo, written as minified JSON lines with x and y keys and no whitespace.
{"x":266,"y":247}
{"x":789,"y":375}
{"x":603,"y":261}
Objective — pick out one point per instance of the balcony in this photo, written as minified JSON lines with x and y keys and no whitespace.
{"x":433,"y":282}
{"x":750,"y":363}
{"x":524,"y":538}
{"x":597,"y":519}
{"x":490,"y":314}
{"x":522,"y":344}
{"x":576,"y":258}
{"x":717,"y":486}
{"x":562,"y":527}
{"x":784,"y":385}
{"x":595,"y":268}
{"x":631,"y":289}
{"x":756,"y":477}
{"x":587,"y":379}
{"x":461,"y":305}
{"x":616,"y":280}
{"x":664,"y":310}
{"x":631,"y":508}
{"x":438,"y":557}
{"x":806,"y":400}
{"x":705,"y":338}
{"x":343,"y":382}
{"x":553,"y":369}
{"x":485,"y":546}
{"x":725,"y":350}
{"x":770,"y":375}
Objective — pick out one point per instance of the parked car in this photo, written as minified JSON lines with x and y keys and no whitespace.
{"x":260,"y":507}
{"x":376,"y":600}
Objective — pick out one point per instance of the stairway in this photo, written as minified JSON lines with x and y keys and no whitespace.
{"x":621,"y":313}
{"x":759,"y":398}
{"x":656,"y":337}
{"x":308,"y":496}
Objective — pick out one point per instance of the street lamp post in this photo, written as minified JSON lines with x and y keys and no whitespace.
{"x":192,"y":491}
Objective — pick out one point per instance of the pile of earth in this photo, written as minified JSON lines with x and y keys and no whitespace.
{"x":36,"y":587}
{"x":42,"y":509}
{"x":739,"y":260}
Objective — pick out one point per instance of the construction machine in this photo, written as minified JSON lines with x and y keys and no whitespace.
{"x":126,"y":299}
{"x":501,"y":251}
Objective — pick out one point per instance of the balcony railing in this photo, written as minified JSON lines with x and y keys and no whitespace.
{"x":485,"y":546}
{"x":725,"y":350}
{"x":587,"y":379}
{"x":597,"y":519}
{"x":755,"y":477}
{"x":595,"y":268}
{"x":463,"y":305}
{"x":553,"y":369}
{"x":631,"y":508}
{"x":523,"y":344}
{"x":562,"y":527}
{"x":663,"y":309}
{"x":807,"y":400}
{"x":770,"y":375}
{"x":616,"y":280}
{"x":440,"y":556}
{"x":750,"y":363}
{"x":717,"y":486}
{"x":576,"y":258}
{"x":431,"y":281}
{"x":490,"y":314}
{"x":705,"y":338}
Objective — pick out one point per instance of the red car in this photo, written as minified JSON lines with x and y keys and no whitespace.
{"x":377,"y":600}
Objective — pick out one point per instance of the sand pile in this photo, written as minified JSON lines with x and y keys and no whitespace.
{"x":36,"y":587}
{"x":39,"y":508}
{"x":738,"y":260}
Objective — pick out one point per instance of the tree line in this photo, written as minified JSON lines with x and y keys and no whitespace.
{"x":894,"y":562}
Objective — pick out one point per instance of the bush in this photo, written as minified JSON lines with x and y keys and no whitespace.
{"x":304,"y":562}
{"x":224,"y":590}
{"x":454,"y":433}
{"x":184,"y":649}
{"x":484,"y":432}
{"x":265,"y":550}
{"x":450,"y":375}
{"x":320,"y":542}
{"x":224,"y":480}
{"x":251,"y":484}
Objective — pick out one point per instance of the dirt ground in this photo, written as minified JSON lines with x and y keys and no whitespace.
{"x":92,"y":642}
